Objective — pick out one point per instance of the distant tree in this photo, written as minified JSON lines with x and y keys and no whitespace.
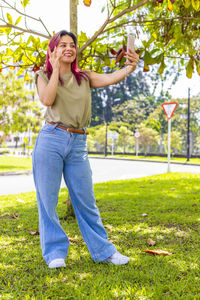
{"x":100,"y":138}
{"x":197,"y":144}
{"x":107,"y":103}
{"x":90,"y":143}
{"x":176,"y":142}
{"x":126,"y":138}
{"x":19,"y":112}
{"x":148,"y":137}
{"x":134,"y":111}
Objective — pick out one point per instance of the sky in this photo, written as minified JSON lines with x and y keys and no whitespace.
{"x":56,"y":18}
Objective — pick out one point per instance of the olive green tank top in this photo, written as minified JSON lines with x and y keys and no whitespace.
{"x":72,"y":105}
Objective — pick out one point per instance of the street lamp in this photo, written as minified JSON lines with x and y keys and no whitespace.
{"x":188,"y":127}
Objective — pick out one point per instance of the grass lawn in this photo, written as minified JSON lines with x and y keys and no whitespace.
{"x":172,"y":205}
{"x":11,"y":163}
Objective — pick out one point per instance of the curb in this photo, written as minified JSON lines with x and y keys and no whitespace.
{"x":28,"y":172}
{"x":145,"y":160}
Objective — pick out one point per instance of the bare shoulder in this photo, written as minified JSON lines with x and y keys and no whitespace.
{"x":40,"y":76}
{"x":41,"y":81}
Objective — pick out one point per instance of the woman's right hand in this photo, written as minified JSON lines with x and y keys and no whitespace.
{"x":54,"y":58}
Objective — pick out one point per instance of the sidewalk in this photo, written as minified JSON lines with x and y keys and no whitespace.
{"x":103,"y":170}
{"x":28,"y":172}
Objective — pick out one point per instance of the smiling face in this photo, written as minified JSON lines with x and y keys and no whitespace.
{"x":67,"y":48}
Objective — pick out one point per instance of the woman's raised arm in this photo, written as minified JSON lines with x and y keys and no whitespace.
{"x":47,"y":91}
{"x":102,"y":80}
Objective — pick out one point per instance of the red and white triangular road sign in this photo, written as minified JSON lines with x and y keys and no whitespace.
{"x":169,"y":108}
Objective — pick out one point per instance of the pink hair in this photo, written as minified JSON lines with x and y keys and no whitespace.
{"x":79,"y":74}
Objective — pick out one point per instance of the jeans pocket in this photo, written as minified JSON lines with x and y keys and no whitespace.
{"x":49,"y":128}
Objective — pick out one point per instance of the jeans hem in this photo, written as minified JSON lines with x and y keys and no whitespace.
{"x":53,"y":256}
{"x":105,"y":253}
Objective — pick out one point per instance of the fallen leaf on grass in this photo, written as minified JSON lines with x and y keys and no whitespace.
{"x":194,"y":204}
{"x":172,"y":189}
{"x":34,"y":232}
{"x":157,"y":252}
{"x":108,"y":226}
{"x":103,"y":219}
{"x":151,"y":242}
{"x":73,"y":240}
{"x":15,"y":216}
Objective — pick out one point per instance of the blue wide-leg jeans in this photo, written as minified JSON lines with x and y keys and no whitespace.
{"x":59,"y":152}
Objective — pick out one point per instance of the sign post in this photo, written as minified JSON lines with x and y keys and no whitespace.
{"x":169,"y":109}
{"x":137,"y":135}
{"x":114,"y":136}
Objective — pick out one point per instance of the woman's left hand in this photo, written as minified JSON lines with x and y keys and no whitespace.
{"x":132,"y":59}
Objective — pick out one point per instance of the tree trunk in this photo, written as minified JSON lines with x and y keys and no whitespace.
{"x":73,"y":28}
{"x":73,"y":16}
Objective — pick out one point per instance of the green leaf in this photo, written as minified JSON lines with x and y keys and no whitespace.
{"x":122,"y":61}
{"x":103,"y":8}
{"x":107,"y":61}
{"x":25,"y":2}
{"x":146,"y":68}
{"x":9,"y":52}
{"x":26,"y":77}
{"x":190,"y":68}
{"x":196,"y":4}
{"x":162,"y":67}
{"x":148,"y":59}
{"x":154,"y":35}
{"x":20,"y":72}
{"x":159,"y":58}
{"x":197,"y":62}
{"x":18,"y":20}
{"x":187,"y":3}
{"x":10,"y":21}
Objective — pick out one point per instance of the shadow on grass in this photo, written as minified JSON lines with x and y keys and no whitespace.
{"x":171,"y":219}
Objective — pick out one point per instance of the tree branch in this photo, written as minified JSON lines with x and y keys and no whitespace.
{"x":128,"y":10}
{"x":19,"y":12}
{"x":11,"y":40}
{"x":125,"y":11}
{"x":150,"y":21}
{"x":27,"y":16}
{"x":24,"y":30}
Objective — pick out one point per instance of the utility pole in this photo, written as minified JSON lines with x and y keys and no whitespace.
{"x":188,"y":126}
{"x":106,"y":139}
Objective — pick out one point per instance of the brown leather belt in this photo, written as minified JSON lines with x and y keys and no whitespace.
{"x":73,"y":130}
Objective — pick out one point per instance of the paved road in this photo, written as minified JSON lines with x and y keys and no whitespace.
{"x":103,"y":170}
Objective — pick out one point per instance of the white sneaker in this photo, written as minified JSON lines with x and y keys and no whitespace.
{"x":117,"y":259}
{"x":57,"y":263}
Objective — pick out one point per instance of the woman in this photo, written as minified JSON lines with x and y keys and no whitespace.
{"x":61,"y":149}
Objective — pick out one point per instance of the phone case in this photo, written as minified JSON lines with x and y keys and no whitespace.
{"x":130,"y":42}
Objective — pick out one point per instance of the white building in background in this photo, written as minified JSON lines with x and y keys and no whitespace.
{"x":18,"y":139}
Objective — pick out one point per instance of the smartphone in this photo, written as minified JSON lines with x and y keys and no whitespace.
{"x":130,"y":42}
